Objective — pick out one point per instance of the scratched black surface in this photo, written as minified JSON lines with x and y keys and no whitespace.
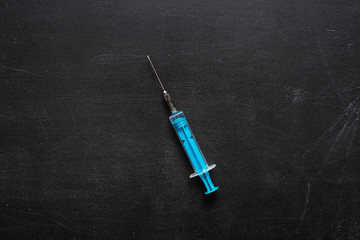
{"x":271,"y":89}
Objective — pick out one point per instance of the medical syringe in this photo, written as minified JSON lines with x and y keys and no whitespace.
{"x":188,"y":141}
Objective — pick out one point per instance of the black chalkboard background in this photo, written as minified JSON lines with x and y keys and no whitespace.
{"x":271,"y":90}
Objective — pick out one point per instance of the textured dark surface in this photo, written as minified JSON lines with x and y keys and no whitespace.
{"x":270,"y":88}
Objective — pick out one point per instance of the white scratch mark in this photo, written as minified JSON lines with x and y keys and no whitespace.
{"x":351,"y":89}
{"x":66,"y":227}
{"x":352,"y":137}
{"x":353,"y":134}
{"x":305,"y":208}
{"x":328,"y":72}
{"x":21,"y":70}
{"x":327,"y":131}
{"x":328,"y":155}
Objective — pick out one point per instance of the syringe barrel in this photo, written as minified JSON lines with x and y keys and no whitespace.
{"x":188,"y":142}
{"x":191,"y":147}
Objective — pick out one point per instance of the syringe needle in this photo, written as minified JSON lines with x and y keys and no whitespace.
{"x":156,"y":73}
{"x":166,"y":94}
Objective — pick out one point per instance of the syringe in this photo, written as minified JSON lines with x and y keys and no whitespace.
{"x":188,"y":141}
